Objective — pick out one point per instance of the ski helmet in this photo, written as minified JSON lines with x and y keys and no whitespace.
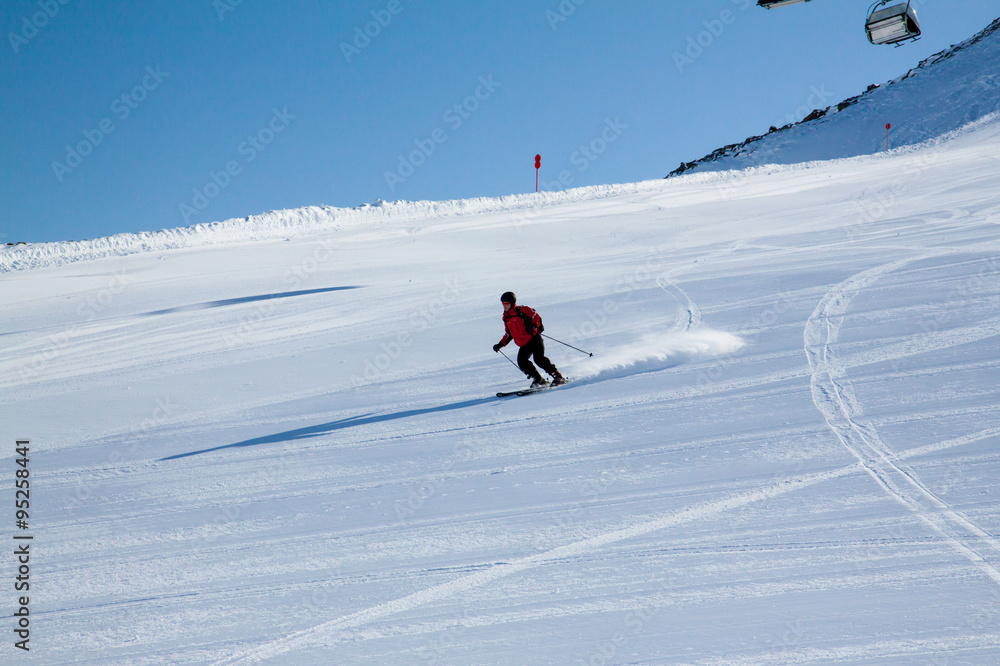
{"x":508,"y":297}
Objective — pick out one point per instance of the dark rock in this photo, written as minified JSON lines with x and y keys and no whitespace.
{"x":817,"y":113}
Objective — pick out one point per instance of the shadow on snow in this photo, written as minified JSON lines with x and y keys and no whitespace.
{"x":245,"y":299}
{"x":333,"y":426}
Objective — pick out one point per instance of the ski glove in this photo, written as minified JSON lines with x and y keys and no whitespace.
{"x":496,"y":347}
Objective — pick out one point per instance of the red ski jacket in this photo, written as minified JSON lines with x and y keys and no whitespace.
{"x":521,"y":324}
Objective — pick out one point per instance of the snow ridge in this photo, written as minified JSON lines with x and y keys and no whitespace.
{"x":297,"y":222}
{"x":942,"y":93}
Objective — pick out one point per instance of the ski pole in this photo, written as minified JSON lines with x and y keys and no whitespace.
{"x":568,"y":345}
{"x":508,"y":358}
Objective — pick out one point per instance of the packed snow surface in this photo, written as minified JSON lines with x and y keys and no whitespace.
{"x":278,"y":441}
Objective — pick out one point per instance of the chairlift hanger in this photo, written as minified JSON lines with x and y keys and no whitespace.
{"x":892,"y":25}
{"x":771,"y":4}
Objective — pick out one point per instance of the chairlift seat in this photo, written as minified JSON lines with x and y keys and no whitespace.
{"x":893,"y":24}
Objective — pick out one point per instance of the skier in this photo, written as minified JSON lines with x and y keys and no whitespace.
{"x":524,"y":326}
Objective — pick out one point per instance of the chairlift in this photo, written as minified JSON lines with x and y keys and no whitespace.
{"x":885,"y":25}
{"x":892,"y":25}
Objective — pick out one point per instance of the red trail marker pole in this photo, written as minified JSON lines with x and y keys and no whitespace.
{"x":538,"y":165}
{"x":887,"y":128}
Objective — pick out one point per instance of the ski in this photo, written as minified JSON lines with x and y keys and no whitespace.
{"x":507,"y":394}
{"x":529,"y":391}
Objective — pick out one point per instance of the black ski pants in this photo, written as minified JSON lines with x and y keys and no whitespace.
{"x":536,"y":348}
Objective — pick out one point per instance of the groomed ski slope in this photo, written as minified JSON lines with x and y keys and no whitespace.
{"x":282,"y":445}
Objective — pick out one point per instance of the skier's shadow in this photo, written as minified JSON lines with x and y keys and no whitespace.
{"x":333,"y":426}
{"x":246,"y":299}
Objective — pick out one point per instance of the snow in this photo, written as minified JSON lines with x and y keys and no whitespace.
{"x":942,"y":94}
{"x":277,"y":441}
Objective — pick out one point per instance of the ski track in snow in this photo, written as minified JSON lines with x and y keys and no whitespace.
{"x":326,"y":632}
{"x":691,"y":309}
{"x":834,"y":396}
{"x":959,"y":646}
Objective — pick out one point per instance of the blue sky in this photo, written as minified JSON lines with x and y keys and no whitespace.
{"x":138,"y":116}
